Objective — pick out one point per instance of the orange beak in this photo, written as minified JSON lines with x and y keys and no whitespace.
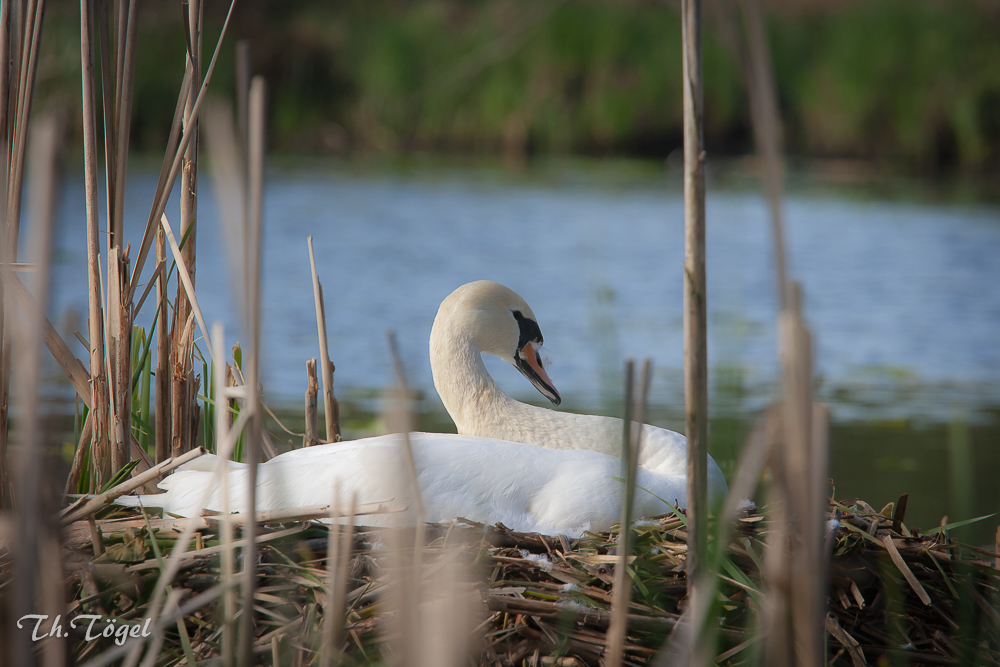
{"x":529,"y":362}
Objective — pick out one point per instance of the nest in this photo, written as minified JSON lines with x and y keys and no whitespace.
{"x":895,"y":593}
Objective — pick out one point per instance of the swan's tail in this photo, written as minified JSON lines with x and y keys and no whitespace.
{"x":206,"y":463}
{"x":152,"y":500}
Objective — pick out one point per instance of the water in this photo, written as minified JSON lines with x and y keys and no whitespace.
{"x":898,"y":295}
{"x":901,"y":298}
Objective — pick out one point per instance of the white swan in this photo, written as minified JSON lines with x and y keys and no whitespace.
{"x":535,"y":470}
{"x":485,"y":317}
{"x":529,"y":489}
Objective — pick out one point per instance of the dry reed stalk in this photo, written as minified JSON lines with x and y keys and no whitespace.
{"x":634,"y":418}
{"x":5,"y":256}
{"x":332,"y":411}
{"x":326,"y":649}
{"x":26,"y":23}
{"x":108,"y":104}
{"x":5,"y":36}
{"x":226,"y":527}
{"x":82,"y":451}
{"x":799,"y":619}
{"x":163,"y":438}
{"x":155,"y":473}
{"x":254,"y":210}
{"x":406,"y":555}
{"x":22,"y":112}
{"x":177,"y":555}
{"x":766,"y":122}
{"x":169,"y":174}
{"x":401,"y":421}
{"x":189,"y":163}
{"x":339,"y":593}
{"x":311,"y":438}
{"x":100,"y":449}
{"x":307,"y":513}
{"x":184,"y":278}
{"x":120,"y":353}
{"x":33,"y":489}
{"x":180,"y":406}
{"x":243,"y":75}
{"x":124,"y":87}
{"x":695,"y":298}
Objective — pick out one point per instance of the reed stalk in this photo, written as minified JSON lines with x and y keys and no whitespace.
{"x":189,"y":186}
{"x":22,"y":36}
{"x":97,"y":502}
{"x":180,"y":407}
{"x":126,"y":33}
{"x":311,"y":437}
{"x":244,"y":72}
{"x":766,"y":122}
{"x":100,"y":464}
{"x":332,"y":411}
{"x":120,"y":354}
{"x":338,"y":556}
{"x":33,"y":488}
{"x":226,"y":527}
{"x":633,"y":420}
{"x":695,"y":298}
{"x":172,"y":159}
{"x":794,"y":611}
{"x":5,"y":41}
{"x":163,"y":438}
{"x":6,"y":254}
{"x":255,"y":197}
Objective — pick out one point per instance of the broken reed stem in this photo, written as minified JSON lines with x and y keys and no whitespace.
{"x":100,"y":459}
{"x":258,"y":125}
{"x":329,"y":401}
{"x":120,"y":352}
{"x":154,"y":473}
{"x":82,"y":451}
{"x":179,"y":406}
{"x":311,"y":437}
{"x":163,"y":438}
{"x":695,"y":308}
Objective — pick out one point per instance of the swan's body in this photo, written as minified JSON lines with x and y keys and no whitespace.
{"x":529,"y":489}
{"x":533,"y":469}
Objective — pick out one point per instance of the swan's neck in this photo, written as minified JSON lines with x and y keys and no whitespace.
{"x":471,"y":397}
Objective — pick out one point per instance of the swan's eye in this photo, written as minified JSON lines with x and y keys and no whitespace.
{"x":517,"y":315}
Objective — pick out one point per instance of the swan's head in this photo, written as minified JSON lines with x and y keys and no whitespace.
{"x":497,"y":321}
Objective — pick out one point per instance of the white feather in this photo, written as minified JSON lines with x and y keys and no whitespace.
{"x":527,"y":488}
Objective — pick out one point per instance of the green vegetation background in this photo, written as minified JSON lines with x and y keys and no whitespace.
{"x":911,"y":84}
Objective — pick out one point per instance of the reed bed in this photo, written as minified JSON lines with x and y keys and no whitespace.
{"x":896,"y":594}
